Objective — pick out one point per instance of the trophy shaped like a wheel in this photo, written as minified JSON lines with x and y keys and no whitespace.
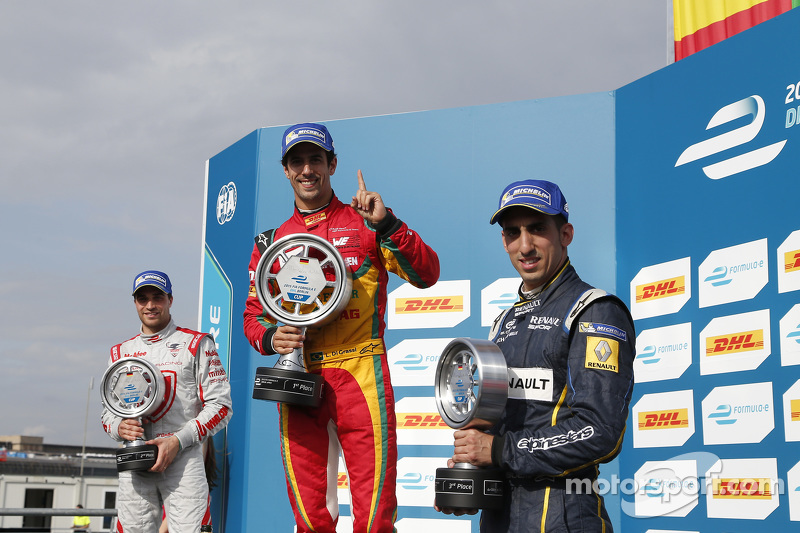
{"x":471,"y":389}
{"x":133,"y":387}
{"x":301,"y":280}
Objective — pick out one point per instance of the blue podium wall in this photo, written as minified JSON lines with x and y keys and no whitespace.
{"x":442,"y":172}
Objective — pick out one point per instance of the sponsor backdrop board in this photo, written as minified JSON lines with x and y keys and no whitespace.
{"x":708,"y":244}
{"x":682,"y":187}
{"x":442,"y":172}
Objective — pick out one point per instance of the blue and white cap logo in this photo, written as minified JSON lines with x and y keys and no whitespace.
{"x":152,"y":278}
{"x":540,"y":195}
{"x":308,"y":132}
{"x":536,"y":194}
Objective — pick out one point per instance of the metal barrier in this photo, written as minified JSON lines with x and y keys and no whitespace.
{"x":40,"y":511}
{"x":44,"y":511}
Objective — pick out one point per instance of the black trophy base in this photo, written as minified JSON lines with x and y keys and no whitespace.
{"x":469,"y":488}
{"x":288,"y":386}
{"x":136,"y":458}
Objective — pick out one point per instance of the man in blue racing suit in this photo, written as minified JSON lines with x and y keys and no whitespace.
{"x":569,"y":350}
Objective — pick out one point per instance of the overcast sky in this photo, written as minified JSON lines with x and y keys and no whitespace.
{"x":109,"y":111}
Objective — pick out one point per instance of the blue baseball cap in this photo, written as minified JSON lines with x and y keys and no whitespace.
{"x":152,"y":278}
{"x":540,"y":195}
{"x":306,"y":132}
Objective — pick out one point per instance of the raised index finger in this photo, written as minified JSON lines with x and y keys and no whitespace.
{"x":361,"y":185}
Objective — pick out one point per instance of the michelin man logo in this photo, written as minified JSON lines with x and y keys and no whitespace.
{"x":226,"y":203}
{"x":752,"y":105}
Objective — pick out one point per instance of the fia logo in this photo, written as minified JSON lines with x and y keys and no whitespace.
{"x":226,"y":203}
{"x":752,"y":105}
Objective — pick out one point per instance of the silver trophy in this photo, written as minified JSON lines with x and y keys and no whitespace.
{"x":301,"y":280}
{"x":471,"y":392}
{"x":133,"y":387}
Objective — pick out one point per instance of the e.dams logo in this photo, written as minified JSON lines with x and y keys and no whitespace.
{"x":668,"y":419}
{"x":752,"y":106}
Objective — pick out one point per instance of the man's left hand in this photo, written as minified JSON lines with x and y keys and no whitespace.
{"x":368,"y":204}
{"x":167,"y":451}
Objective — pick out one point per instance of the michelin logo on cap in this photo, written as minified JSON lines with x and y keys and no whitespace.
{"x":297,"y":133}
{"x":153,"y":278}
{"x":528,"y":191}
{"x":307,"y":132}
{"x":541,"y":195}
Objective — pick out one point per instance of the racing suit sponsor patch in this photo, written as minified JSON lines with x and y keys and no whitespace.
{"x":530,"y":384}
{"x":602,"y":354}
{"x":603,"y":329}
{"x":526,"y":307}
{"x":545,"y":443}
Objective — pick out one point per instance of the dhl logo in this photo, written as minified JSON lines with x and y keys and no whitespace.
{"x":794,"y":407}
{"x":745,"y":341}
{"x":791,"y":261}
{"x":661,"y":289}
{"x":672,"y":419}
{"x":420,"y":421}
{"x":314,"y":219}
{"x":742,"y":488}
{"x":341,"y":481}
{"x":449,"y":304}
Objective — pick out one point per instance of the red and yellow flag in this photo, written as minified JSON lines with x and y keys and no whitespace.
{"x":701,"y":23}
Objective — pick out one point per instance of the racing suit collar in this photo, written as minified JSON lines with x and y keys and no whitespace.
{"x":530,"y":295}
{"x":311,"y":219}
{"x":159,"y":335}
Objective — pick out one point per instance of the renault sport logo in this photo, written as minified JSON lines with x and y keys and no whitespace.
{"x":752,"y":105}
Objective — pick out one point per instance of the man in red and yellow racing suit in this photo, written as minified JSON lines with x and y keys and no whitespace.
{"x":357,"y":410}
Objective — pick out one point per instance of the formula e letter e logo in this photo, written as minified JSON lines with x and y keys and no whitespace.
{"x":752,"y":105}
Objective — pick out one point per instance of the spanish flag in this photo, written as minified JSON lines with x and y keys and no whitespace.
{"x":701,"y":23}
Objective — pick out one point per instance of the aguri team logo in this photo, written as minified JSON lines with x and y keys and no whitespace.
{"x":753,"y":106}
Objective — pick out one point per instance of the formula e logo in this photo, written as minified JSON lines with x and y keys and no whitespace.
{"x":752,"y":105}
{"x":226,"y":203}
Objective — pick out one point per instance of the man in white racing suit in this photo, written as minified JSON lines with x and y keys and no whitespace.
{"x":196,"y":405}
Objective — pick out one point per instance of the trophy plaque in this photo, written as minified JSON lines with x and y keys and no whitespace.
{"x":133,"y":387}
{"x":301,"y":280}
{"x":471,"y":390}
